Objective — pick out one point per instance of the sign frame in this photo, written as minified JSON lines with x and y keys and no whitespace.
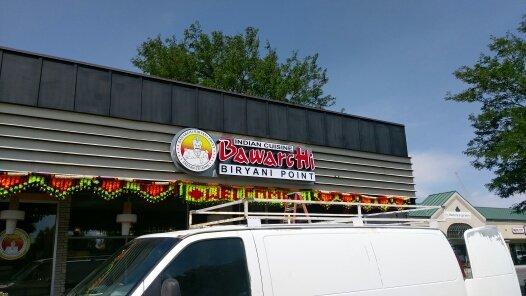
{"x":184,"y":159}
{"x":454,"y":215}
{"x":197,"y":152}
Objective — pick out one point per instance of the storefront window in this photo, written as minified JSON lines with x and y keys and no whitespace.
{"x":518,"y":253}
{"x":94,"y":234}
{"x":28,"y":270}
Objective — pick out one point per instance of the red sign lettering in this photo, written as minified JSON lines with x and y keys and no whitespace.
{"x":226,"y":149}
{"x":300,"y":159}
{"x":256,"y":156}
{"x":241,"y":156}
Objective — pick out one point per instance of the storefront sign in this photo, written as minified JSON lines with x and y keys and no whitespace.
{"x":457,"y":215}
{"x":193,"y":150}
{"x":240,"y":157}
{"x":518,"y":230}
{"x":262,"y":172}
{"x":15,"y":245}
{"x":264,"y":145}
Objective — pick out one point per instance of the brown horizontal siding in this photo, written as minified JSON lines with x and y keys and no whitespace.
{"x":55,"y":142}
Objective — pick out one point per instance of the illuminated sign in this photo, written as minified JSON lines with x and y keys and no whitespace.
{"x":240,"y":157}
{"x":196,"y":151}
{"x":193,"y":150}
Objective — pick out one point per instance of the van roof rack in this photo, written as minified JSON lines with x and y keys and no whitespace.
{"x":242,"y":211}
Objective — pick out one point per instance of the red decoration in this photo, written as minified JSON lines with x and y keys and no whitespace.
{"x":111,"y":185}
{"x":209,"y":194}
{"x":366,"y":199}
{"x":383,"y":200}
{"x":399,"y":200}
{"x":347,"y":197}
{"x":7,"y":181}
{"x":61,"y":184}
{"x":326,"y":196}
{"x":154,"y":189}
{"x":260,"y":193}
{"x":195,"y":194}
{"x":225,"y":193}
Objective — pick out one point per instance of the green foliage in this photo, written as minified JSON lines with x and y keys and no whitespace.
{"x":235,"y":63}
{"x":498,"y":83}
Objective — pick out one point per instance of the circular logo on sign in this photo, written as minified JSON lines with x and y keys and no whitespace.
{"x":15,"y":245}
{"x":194,"y":150}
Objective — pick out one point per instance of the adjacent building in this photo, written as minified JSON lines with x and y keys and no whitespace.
{"x":456,"y":215}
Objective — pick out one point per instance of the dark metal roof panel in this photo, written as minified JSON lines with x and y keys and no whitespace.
{"x":44,"y":81}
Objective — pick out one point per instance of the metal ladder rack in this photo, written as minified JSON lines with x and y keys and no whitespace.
{"x":240,"y":211}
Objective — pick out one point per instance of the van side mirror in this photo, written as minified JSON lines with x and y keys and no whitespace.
{"x":170,"y":287}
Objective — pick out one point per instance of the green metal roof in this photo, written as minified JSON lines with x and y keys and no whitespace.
{"x":491,"y":214}
{"x":501,"y":214}
{"x":437,"y":199}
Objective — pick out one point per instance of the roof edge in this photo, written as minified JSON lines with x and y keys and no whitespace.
{"x":128,"y":72}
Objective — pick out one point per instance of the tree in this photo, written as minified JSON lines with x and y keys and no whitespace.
{"x":498,"y":83}
{"x":234,"y":63}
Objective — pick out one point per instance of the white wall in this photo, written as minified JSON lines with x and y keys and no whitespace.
{"x":457,"y":201}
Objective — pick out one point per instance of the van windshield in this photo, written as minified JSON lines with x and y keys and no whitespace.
{"x":121,"y":273}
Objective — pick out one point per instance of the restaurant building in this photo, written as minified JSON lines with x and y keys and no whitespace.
{"x":91,"y":157}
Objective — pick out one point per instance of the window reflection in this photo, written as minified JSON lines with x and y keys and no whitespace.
{"x":31,"y":274}
{"x":518,"y":253}
{"x":94,"y":234}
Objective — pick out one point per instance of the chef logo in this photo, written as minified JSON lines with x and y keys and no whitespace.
{"x":15,"y":245}
{"x":194,"y":150}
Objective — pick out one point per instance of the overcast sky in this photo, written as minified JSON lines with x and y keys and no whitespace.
{"x":390,"y":60}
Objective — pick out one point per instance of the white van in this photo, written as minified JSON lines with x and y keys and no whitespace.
{"x":316,"y":259}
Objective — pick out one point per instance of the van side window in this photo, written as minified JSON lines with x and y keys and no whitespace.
{"x":208,"y":267}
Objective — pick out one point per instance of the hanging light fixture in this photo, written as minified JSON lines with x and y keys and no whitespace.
{"x":11,"y":216}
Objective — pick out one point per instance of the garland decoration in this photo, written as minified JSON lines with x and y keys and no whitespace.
{"x":9,"y":181}
{"x":367,"y":200}
{"x":350,"y":197}
{"x":197,"y":193}
{"x":109,"y":189}
{"x":383,"y":200}
{"x":327,"y":196}
{"x":207,"y":193}
{"x":400,"y":200}
{"x":61,"y":187}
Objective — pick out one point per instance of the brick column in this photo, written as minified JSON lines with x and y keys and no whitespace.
{"x":61,"y":248}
